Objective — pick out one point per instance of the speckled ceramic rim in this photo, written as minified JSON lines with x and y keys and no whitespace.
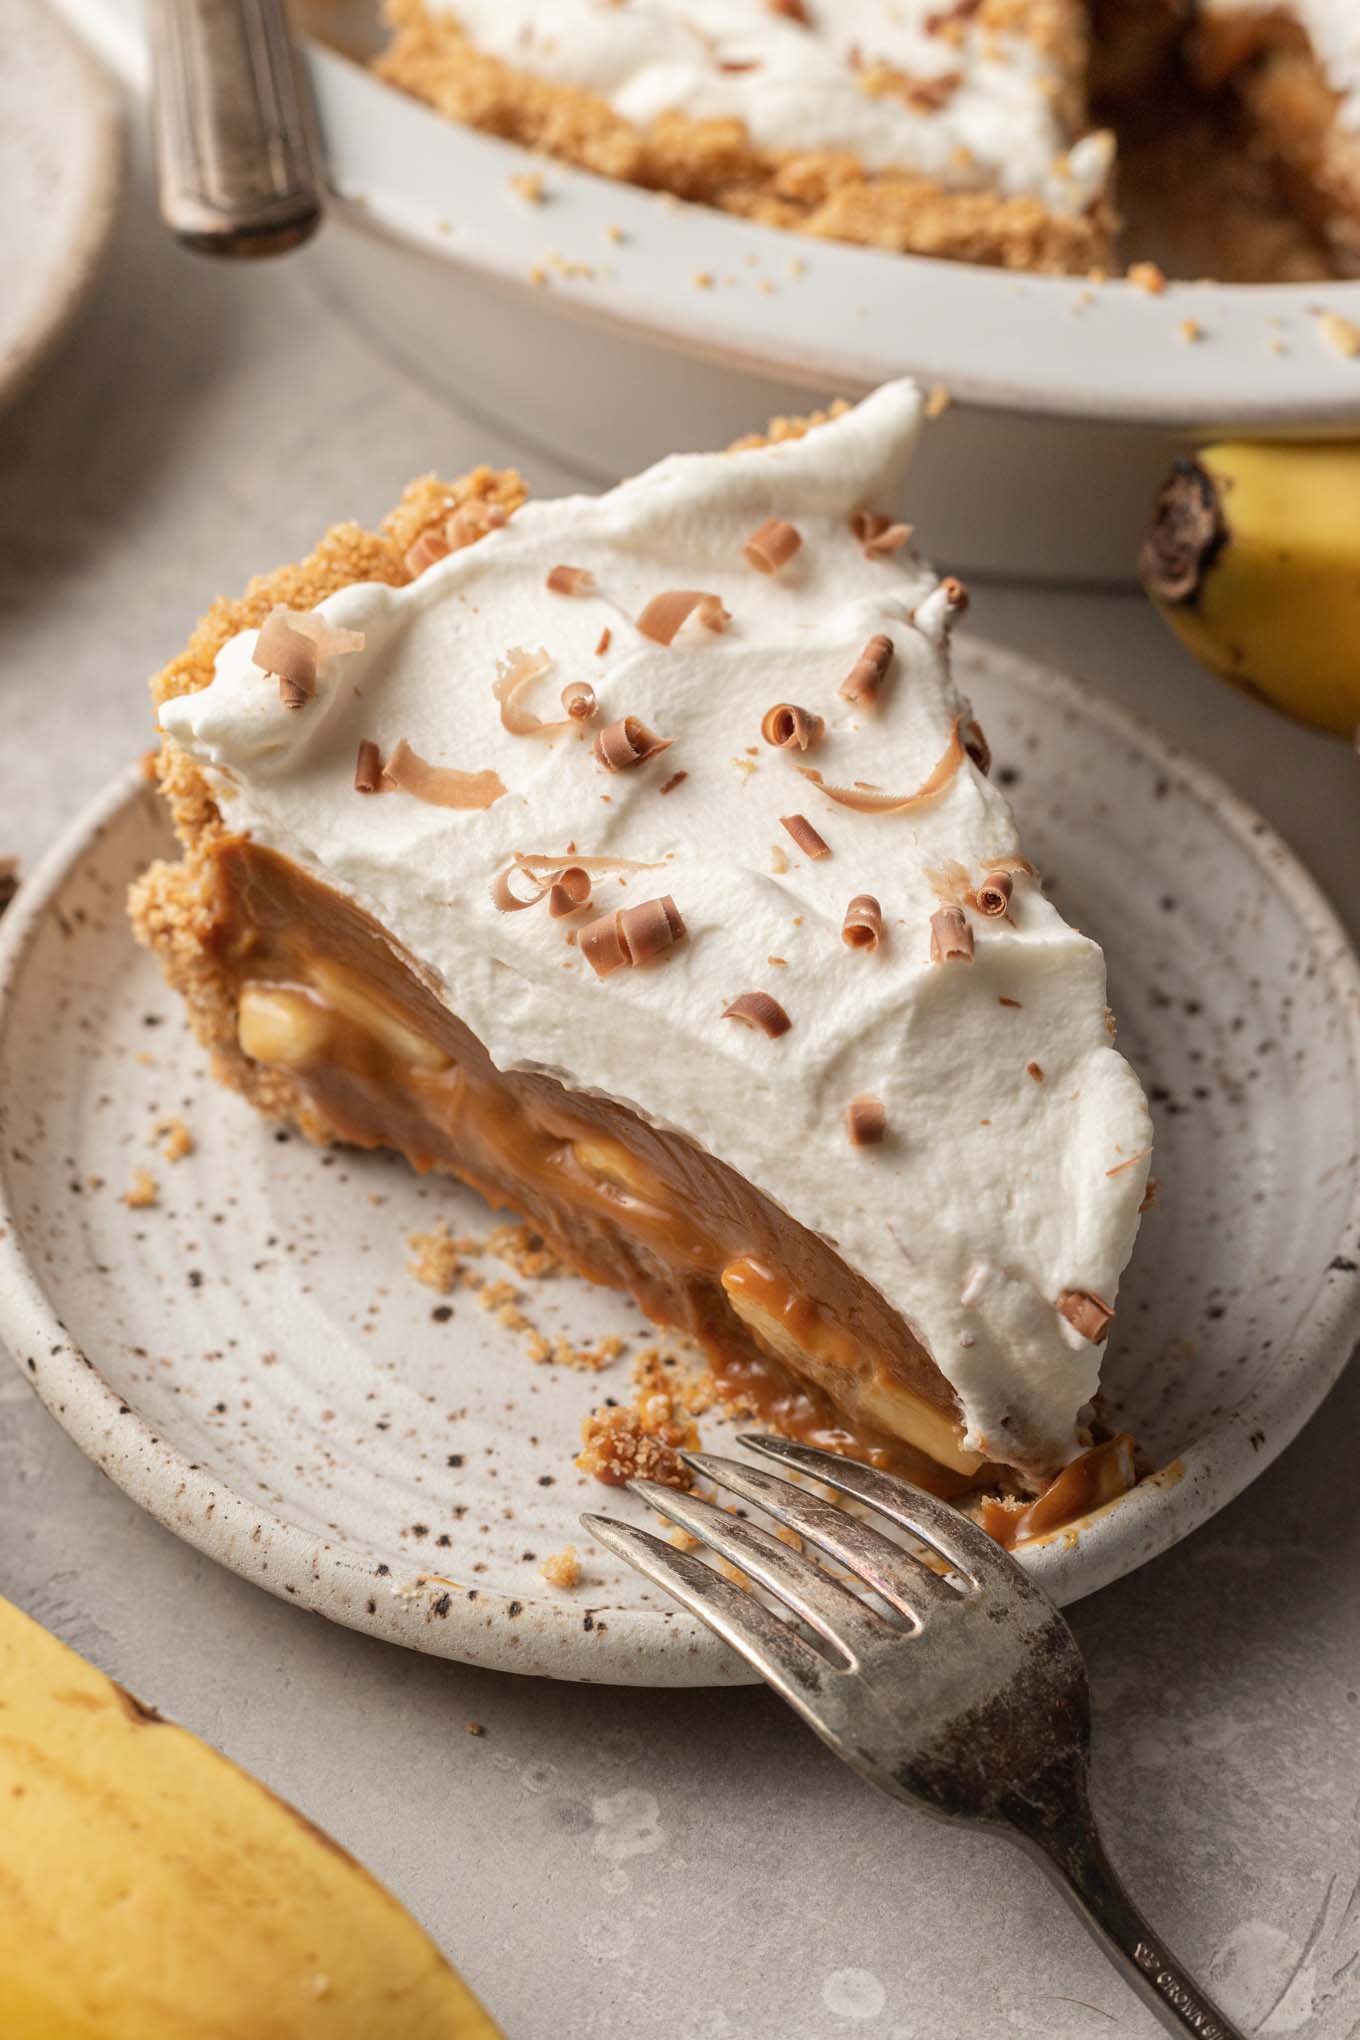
{"x":73,"y":277}
{"x":1073,"y":1563}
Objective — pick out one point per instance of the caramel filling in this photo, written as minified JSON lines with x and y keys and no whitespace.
{"x":793,"y":1334}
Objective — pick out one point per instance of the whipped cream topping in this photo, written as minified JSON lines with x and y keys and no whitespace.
{"x":977,"y":108}
{"x":1333,"y":29}
{"x":996,"y":1189}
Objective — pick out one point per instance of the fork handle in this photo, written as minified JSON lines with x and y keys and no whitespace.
{"x":233,"y":127}
{"x":1072,"y":1853}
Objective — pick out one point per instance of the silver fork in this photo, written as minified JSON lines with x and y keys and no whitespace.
{"x":970,"y":1701}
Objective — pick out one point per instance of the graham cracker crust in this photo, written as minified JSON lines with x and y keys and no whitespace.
{"x":826,"y":193}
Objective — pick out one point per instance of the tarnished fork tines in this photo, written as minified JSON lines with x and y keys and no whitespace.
{"x":235,"y":146}
{"x":969,"y":1700}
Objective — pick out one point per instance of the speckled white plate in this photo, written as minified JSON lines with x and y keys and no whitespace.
{"x":250,"y":1360}
{"x":60,"y":174}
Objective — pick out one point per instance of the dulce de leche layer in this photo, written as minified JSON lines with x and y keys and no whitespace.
{"x":325,"y":995}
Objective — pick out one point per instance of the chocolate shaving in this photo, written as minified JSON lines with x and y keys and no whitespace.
{"x":1152,"y":1195}
{"x":866,"y":1121}
{"x":869,"y":801}
{"x":1035,"y":1070}
{"x":516,"y":671}
{"x":676,"y":779}
{"x":291,"y":645}
{"x":1129,"y":1161}
{"x":664,"y":614}
{"x":570,"y":580}
{"x":868,"y":524}
{"x":862,"y":683}
{"x":977,"y":747}
{"x":951,"y":938}
{"x":1090,"y":1314}
{"x":631,"y":936}
{"x":805,"y":836}
{"x":471,"y":521}
{"x":604,"y":641}
{"x":622,"y":745}
{"x":368,"y":767}
{"x":428,"y":548}
{"x":503,"y":893}
{"x":884,"y":543}
{"x":286,"y":652}
{"x":759,"y":1010}
{"x":772,"y":545}
{"x":790,"y":728}
{"x":440,"y":785}
{"x":863,"y":924}
{"x":1012,"y":864}
{"x":949,"y":882}
{"x":792,"y":10}
{"x":544,"y":864}
{"x":602,"y":945}
{"x":578,"y":699}
{"x":570,"y":890}
{"x":993,"y":896}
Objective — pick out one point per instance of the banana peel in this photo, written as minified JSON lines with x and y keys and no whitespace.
{"x":1252,"y":555}
{"x":150,"y":1890}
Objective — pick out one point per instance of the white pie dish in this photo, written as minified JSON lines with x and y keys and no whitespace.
{"x":251,"y":1362}
{"x":1070,"y":401}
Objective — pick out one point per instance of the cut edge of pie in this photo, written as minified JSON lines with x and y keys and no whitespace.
{"x":309,"y":1008}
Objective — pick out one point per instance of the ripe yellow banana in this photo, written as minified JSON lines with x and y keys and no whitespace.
{"x":151,"y":1891}
{"x":1253,"y":558}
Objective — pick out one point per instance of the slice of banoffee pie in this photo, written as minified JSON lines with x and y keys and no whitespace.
{"x":634,"y":858}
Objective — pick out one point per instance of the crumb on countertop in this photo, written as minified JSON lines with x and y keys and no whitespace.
{"x":141,"y":1192}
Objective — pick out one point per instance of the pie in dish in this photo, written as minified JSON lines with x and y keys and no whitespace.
{"x":634,"y":858}
{"x":982,"y":130}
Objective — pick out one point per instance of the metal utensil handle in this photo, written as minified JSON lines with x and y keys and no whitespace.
{"x":233,"y":126}
{"x":1072,"y":1853}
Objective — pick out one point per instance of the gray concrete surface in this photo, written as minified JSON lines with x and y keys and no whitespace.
{"x":666,"y":1867}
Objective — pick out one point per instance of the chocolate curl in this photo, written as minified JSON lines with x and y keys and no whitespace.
{"x":866,"y":1122}
{"x":622,"y":745}
{"x":976,"y":745}
{"x":665,"y":613}
{"x":863,"y":924}
{"x":504,"y":896}
{"x":602,"y":945}
{"x":631,"y":936}
{"x":951,"y":938}
{"x":570,"y":890}
{"x":428,"y":548}
{"x":772,"y":545}
{"x":805,"y":836}
{"x":288,"y":653}
{"x":760,"y":1011}
{"x":471,"y":521}
{"x":869,"y":801}
{"x":578,"y":699}
{"x":790,"y":728}
{"x":878,"y":535}
{"x":516,"y":671}
{"x":1088,"y":1313}
{"x":649,"y":930}
{"x":993,"y":896}
{"x":440,"y":785}
{"x":862,"y":683}
{"x":368,"y":767}
{"x":570,"y":580}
